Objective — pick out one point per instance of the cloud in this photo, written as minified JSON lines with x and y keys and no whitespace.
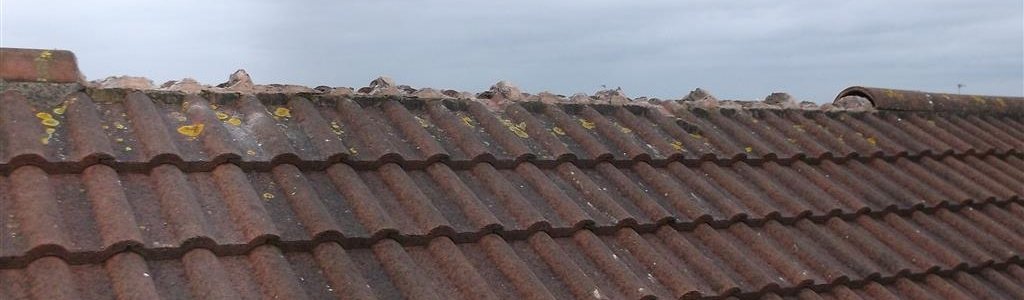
{"x":811,"y":49}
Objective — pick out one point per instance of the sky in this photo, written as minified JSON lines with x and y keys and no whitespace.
{"x":735,"y":49}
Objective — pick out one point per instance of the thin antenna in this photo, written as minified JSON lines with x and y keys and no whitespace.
{"x":959,"y":86}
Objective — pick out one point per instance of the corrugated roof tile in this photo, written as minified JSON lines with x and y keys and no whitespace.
{"x":151,"y":196}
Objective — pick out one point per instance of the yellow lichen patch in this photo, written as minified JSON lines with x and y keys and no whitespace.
{"x":893,"y":94}
{"x":336,"y":128}
{"x":587,"y":124}
{"x":558,"y":130}
{"x":119,"y":140}
{"x":234,"y":121}
{"x":43,"y":65}
{"x":520,"y":133}
{"x":50,"y":122}
{"x":118,"y":125}
{"x":268,"y":196}
{"x":49,"y":131}
{"x":47,"y":119}
{"x":213,"y":106}
{"x":353,"y":151}
{"x":60,"y":109}
{"x":677,"y":145}
{"x":193,"y":130}
{"x":872,"y":141}
{"x":222,"y":116}
{"x":418,"y":119}
{"x":696,"y":136}
{"x":283,"y":112}
{"x":45,"y":56}
{"x":749,"y":149}
{"x":468,"y":121}
{"x":518,"y":129}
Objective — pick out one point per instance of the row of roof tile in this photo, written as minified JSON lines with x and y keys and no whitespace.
{"x":230,"y":210}
{"x":740,"y":260}
{"x":987,"y":283}
{"x":138,"y":133}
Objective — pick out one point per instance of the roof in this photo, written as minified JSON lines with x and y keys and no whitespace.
{"x":112,"y":192}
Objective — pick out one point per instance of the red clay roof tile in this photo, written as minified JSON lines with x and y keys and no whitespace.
{"x":180,"y":196}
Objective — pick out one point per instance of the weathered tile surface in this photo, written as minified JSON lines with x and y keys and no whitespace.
{"x":148,"y":196}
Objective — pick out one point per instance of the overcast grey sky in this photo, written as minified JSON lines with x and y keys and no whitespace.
{"x":736,"y":50}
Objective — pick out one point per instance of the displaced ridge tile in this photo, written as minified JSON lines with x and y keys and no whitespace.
{"x":891,"y":99}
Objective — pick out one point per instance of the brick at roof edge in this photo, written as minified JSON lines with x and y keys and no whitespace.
{"x":38,"y":65}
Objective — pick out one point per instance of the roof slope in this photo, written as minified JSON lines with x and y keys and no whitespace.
{"x":290,"y":192}
{"x":174,"y":195}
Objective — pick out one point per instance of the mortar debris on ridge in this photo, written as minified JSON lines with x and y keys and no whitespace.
{"x":498,"y":95}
